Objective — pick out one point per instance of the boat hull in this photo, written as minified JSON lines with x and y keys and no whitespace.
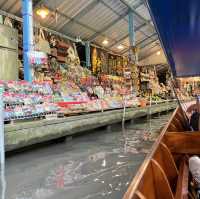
{"x":164,"y":174}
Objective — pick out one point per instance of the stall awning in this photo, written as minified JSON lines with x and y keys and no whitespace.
{"x":178,"y":25}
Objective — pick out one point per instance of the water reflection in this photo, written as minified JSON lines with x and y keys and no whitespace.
{"x":94,"y":166}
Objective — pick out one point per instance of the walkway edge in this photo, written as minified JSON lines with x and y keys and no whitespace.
{"x":26,"y":134}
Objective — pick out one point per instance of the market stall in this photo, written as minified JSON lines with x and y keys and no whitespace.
{"x":62,"y":87}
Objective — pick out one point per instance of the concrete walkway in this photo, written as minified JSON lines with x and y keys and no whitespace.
{"x":28,"y":133}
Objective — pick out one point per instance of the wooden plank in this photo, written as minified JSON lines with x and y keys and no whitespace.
{"x":172,"y":127}
{"x":182,"y":183}
{"x":183,"y":142}
{"x":177,"y":122}
{"x":139,"y":195}
{"x":181,"y":118}
{"x":138,"y":182}
{"x":163,"y":189}
{"x":165,"y":159}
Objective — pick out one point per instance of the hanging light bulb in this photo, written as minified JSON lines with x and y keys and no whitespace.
{"x":158,"y":53}
{"x":105,"y":42}
{"x":120,"y":47}
{"x":42,"y":12}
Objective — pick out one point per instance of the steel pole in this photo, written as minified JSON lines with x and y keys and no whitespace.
{"x":2,"y":146}
{"x":87,"y":54}
{"x":27,"y":12}
{"x":132,"y":41}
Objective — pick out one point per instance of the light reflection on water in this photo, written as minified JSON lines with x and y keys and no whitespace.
{"x":98,"y":165}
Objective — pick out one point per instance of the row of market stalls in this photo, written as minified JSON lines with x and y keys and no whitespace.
{"x":62,"y":84}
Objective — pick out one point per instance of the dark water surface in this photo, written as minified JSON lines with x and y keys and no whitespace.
{"x":98,"y":165}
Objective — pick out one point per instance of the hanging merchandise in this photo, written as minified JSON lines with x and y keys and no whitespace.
{"x":52,"y":41}
{"x":24,"y":100}
{"x":42,"y":44}
{"x":71,"y":57}
{"x":8,"y":22}
{"x":77,"y":61}
{"x":1,"y":19}
{"x":96,"y":62}
{"x":104,"y":60}
{"x":54,"y":65}
{"x":37,"y":58}
{"x":62,"y":48}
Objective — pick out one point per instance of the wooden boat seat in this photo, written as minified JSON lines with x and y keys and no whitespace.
{"x":183,"y":180}
{"x":183,"y":142}
{"x":162,"y":179}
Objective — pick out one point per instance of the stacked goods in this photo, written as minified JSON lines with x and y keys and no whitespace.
{"x":25,"y":100}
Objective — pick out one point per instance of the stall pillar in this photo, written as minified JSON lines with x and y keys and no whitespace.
{"x":27,"y":11}
{"x":87,"y":54}
{"x":132,"y":40}
{"x":2,"y":147}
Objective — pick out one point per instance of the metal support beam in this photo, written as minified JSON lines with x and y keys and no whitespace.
{"x":87,"y":54}
{"x":147,"y":22}
{"x":152,"y":41}
{"x":81,"y":13}
{"x":108,"y":26}
{"x":27,"y":12}
{"x":132,"y":41}
{"x":126,"y":36}
{"x":19,"y":19}
{"x":70,"y":18}
{"x":76,"y":21}
{"x":114,"y":11}
{"x":131,"y":29}
{"x":144,"y":57}
{"x":144,"y":40}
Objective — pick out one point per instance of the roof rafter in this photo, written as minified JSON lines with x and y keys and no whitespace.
{"x":108,"y":26}
{"x":147,"y":22}
{"x":82,"y":13}
{"x":70,"y":18}
{"x":76,"y":21}
{"x":126,"y":36}
{"x":135,"y":7}
{"x":141,"y":42}
{"x":149,"y":54}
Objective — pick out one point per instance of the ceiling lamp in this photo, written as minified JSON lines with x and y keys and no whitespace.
{"x":120,"y":47}
{"x":42,"y":12}
{"x":105,"y":42}
{"x":158,"y":53}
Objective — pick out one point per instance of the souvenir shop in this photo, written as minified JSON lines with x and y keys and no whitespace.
{"x":62,"y":85}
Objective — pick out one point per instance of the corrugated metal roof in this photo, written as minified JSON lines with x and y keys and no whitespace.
{"x":12,"y":6}
{"x":96,"y":20}
{"x":142,"y":10}
{"x":77,"y":30}
{"x":99,"y":17}
{"x":118,"y":30}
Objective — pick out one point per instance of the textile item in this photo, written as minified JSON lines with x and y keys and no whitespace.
{"x":194,"y":166}
{"x":42,"y":44}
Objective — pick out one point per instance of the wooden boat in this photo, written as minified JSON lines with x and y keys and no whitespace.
{"x":164,"y":174}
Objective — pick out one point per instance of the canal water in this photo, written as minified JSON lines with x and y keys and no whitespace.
{"x":97,"y":165}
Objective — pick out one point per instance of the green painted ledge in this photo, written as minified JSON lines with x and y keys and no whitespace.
{"x":28,"y":133}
